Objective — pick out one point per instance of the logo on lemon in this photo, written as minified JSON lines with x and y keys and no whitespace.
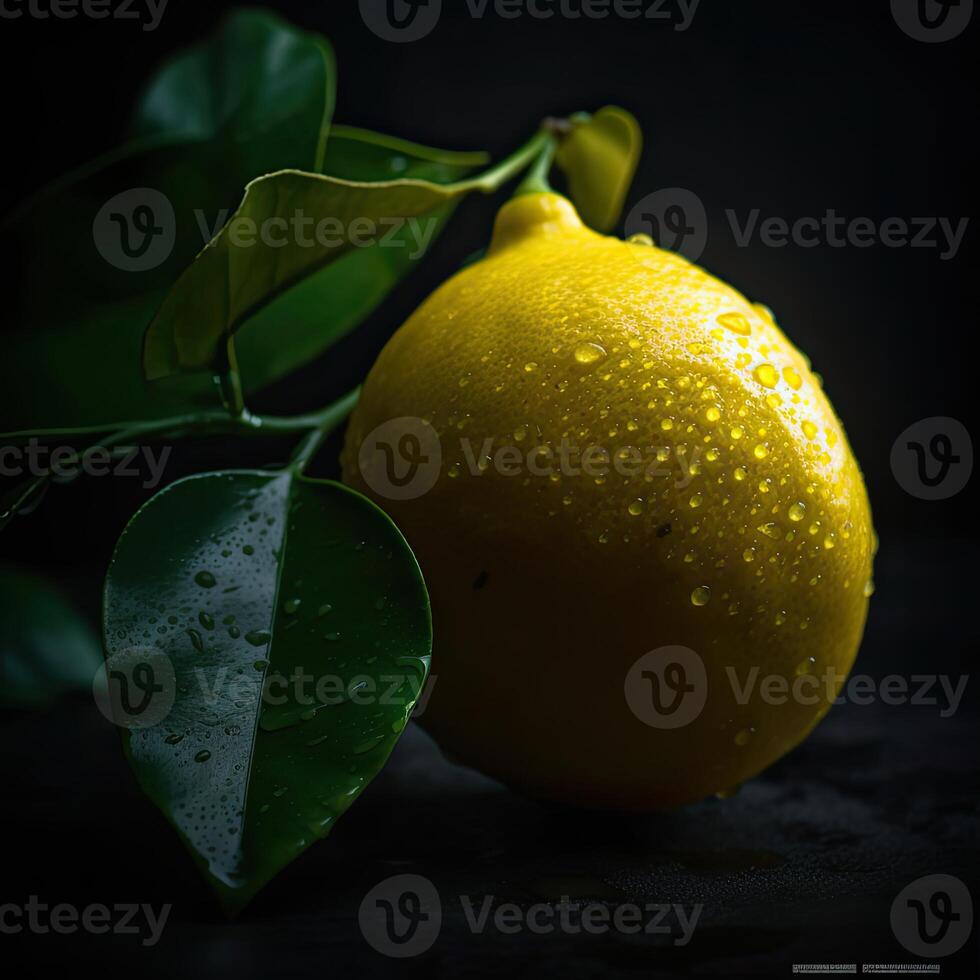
{"x":549,"y":585}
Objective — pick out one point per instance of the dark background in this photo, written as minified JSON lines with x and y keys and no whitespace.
{"x":789,"y":108}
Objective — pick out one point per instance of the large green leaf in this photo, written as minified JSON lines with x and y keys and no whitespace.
{"x":263,"y":88}
{"x":87,"y":372}
{"x":305,"y":320}
{"x":238,"y":578}
{"x":249,"y":101}
{"x":599,"y":157}
{"x":46,"y":649}
{"x":298,"y":326}
{"x":256,"y":98}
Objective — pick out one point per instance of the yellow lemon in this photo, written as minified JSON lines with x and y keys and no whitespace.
{"x":647,"y":542}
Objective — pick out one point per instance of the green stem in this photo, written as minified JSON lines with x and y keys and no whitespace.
{"x":230,"y":382}
{"x":198,"y":423}
{"x":509,"y":167}
{"x":316,"y":425}
{"x":536,"y":179}
{"x":20,"y":498}
{"x":330,"y":418}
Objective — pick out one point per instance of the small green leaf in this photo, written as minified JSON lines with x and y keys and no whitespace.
{"x":599,"y":158}
{"x":46,"y":649}
{"x":247,"y":581}
{"x":239,"y":273}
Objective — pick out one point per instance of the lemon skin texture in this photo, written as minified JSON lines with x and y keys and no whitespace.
{"x":744,"y":535}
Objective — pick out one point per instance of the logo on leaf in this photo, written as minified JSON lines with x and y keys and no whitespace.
{"x":135,"y":687}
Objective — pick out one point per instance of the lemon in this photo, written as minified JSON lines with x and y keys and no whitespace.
{"x":647,"y":542}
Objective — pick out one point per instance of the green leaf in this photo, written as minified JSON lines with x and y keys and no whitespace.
{"x":239,"y":273}
{"x":256,"y":98}
{"x":307,"y":319}
{"x":88,"y":373}
{"x":260,"y":87}
{"x":46,"y":649}
{"x":241,"y":578}
{"x":599,"y":157}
